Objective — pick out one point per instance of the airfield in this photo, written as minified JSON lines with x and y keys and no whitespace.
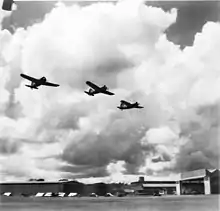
{"x":137,"y":203}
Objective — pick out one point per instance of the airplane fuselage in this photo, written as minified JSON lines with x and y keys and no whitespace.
{"x":97,"y":89}
{"x":35,"y":84}
{"x":92,"y":92}
{"x":135,"y":105}
{"x":32,"y":87}
{"x":124,"y":108}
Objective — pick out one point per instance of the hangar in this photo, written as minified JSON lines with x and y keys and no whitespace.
{"x":33,"y":188}
{"x":154,"y":187}
{"x":161,"y":187}
{"x":203,"y":181}
{"x":30,"y":187}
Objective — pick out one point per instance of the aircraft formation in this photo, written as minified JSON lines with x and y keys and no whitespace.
{"x":93,"y":90}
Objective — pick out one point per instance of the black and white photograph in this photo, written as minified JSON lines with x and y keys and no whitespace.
{"x":109,"y":105}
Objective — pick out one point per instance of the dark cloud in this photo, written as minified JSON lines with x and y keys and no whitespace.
{"x":27,"y":13}
{"x":201,"y":151}
{"x":13,"y":109}
{"x":211,"y":113}
{"x":161,"y":158}
{"x":65,"y":117}
{"x":9,"y":146}
{"x":82,"y":171}
{"x":120,"y":141}
{"x":157,"y":159}
{"x":192,"y":15}
{"x":99,"y":150}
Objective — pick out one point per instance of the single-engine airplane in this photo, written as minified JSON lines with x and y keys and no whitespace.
{"x":7,"y":5}
{"x":37,"y":82}
{"x":96,"y":89}
{"x":127,"y":105}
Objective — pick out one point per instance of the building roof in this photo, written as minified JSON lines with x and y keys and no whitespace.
{"x":159,"y":182}
{"x":201,"y":173}
{"x":154,"y":182}
{"x":159,"y":185}
{"x":31,"y":182}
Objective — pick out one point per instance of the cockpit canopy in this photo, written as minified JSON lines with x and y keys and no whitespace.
{"x":44,"y":78}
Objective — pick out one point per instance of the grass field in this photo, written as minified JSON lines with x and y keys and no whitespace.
{"x":167,"y":203}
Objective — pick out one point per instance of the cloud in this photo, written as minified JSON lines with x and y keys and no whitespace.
{"x":9,"y":146}
{"x":123,"y":46}
{"x":3,"y":13}
{"x":201,"y":149}
{"x":160,"y":136}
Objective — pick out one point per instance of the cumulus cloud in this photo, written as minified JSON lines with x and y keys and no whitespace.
{"x":124,"y":46}
{"x":9,"y":146}
{"x":201,"y":150}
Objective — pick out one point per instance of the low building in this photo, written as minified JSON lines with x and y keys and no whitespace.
{"x":201,"y":181}
{"x":143,"y":187}
{"x":43,"y":188}
{"x":31,"y":187}
{"x":73,"y":187}
{"x":161,"y":187}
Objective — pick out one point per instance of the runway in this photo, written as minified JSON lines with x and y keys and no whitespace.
{"x":164,"y":203}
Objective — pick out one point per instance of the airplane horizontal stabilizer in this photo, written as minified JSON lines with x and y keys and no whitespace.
{"x":32,"y":87}
{"x":88,"y":93}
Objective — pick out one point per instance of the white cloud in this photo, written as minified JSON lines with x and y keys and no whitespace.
{"x":161,"y":135}
{"x":124,"y":47}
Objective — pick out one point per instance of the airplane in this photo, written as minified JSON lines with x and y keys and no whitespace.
{"x":96,"y":89}
{"x":37,"y":82}
{"x":7,"y":5}
{"x":127,"y":105}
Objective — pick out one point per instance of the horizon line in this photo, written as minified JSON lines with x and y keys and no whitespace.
{"x":114,"y":0}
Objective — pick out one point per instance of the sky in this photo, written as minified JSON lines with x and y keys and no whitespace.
{"x":164,"y":55}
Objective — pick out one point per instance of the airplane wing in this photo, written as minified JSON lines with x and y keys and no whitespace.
{"x":28,"y":77}
{"x":50,"y":84}
{"x":108,"y":93}
{"x":92,"y":85}
{"x":125,"y":102}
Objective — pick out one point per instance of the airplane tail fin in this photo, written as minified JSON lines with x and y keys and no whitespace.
{"x":105,"y":87}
